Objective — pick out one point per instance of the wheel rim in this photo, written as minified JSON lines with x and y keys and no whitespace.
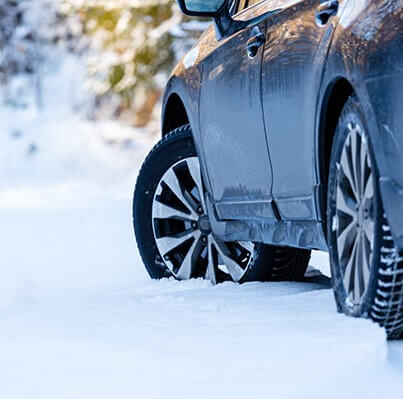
{"x":182,"y":229}
{"x":354,"y":219}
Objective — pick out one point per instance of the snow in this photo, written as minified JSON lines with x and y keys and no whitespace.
{"x":80,"y":318}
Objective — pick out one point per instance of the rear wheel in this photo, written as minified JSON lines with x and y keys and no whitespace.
{"x":367,"y":271}
{"x":173,"y":230}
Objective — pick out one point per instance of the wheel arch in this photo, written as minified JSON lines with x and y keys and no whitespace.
{"x":336,"y":95}
{"x":174,"y":114}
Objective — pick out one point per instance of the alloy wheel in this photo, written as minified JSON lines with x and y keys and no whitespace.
{"x":182,"y":230}
{"x":353,"y":222}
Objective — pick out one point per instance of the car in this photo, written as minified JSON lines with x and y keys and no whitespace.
{"x":282,"y":133}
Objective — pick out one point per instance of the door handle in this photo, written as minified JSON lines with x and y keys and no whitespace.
{"x":255,"y":41}
{"x":325,"y":10}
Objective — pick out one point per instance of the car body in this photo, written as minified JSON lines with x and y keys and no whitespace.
{"x":282,"y":133}
{"x":263,"y":126}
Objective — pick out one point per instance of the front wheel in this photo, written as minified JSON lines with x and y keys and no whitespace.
{"x":367,"y":271}
{"x":173,"y":230}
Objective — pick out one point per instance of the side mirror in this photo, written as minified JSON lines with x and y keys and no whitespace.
{"x":202,"y":8}
{"x":216,"y":9}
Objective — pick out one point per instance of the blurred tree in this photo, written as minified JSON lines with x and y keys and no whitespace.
{"x":136,"y":44}
{"x":14,"y":40}
{"x":130,"y":47}
{"x":27,"y":30}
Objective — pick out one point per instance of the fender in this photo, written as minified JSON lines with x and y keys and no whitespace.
{"x":371,"y":73}
{"x":185,"y":82}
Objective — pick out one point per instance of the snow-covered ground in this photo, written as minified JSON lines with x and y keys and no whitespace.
{"x":79,"y":317}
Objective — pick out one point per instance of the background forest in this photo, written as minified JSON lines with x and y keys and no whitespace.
{"x":80,"y":89}
{"x":127,"y":48}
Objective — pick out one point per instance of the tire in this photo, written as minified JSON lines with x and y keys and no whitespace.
{"x":367,"y":270}
{"x":173,"y":232}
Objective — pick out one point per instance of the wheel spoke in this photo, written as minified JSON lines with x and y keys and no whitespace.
{"x":369,"y":189}
{"x":347,"y":169}
{"x":212,"y":264}
{"x":346,"y":239}
{"x":245,"y":245}
{"x":194,"y":170}
{"x":171,"y":180}
{"x":366,"y":254}
{"x":354,"y":151}
{"x":359,"y":286}
{"x":232,"y":266}
{"x":363,"y":165}
{"x":357,"y":159}
{"x":350,"y":269}
{"x":168,"y":243}
{"x":369,"y":230}
{"x":188,"y":263}
{"x":163,"y":211}
{"x":345,"y":205}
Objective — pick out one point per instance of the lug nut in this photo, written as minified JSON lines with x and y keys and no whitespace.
{"x":200,"y":209}
{"x":204,"y":239}
{"x":194,"y":225}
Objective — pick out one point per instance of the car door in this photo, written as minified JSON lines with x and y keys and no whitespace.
{"x":297,"y":40}
{"x":231,"y":122}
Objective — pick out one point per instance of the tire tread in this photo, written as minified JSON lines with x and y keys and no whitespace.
{"x":289,"y":264}
{"x":387,"y":307}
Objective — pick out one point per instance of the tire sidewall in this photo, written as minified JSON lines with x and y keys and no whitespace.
{"x":352,"y":113}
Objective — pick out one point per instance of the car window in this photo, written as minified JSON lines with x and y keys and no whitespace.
{"x":243,"y":4}
{"x":271,"y":4}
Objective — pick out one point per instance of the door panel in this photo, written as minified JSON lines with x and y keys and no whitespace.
{"x":293,"y":60}
{"x":231,"y":122}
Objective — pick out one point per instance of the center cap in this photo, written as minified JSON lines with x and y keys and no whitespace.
{"x":362,"y":215}
{"x":204,"y":224}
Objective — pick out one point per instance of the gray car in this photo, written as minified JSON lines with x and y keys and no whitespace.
{"x":282,"y":133}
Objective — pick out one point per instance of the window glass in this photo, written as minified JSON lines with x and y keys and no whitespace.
{"x":272,"y":4}
{"x":253,"y":2}
{"x":247,"y":3}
